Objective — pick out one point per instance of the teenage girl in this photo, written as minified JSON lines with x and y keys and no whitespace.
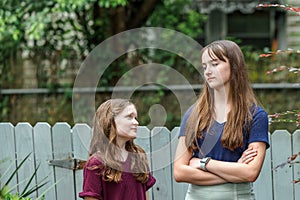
{"x":224,"y":135}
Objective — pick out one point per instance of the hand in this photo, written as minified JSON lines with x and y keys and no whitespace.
{"x":195,"y":163}
{"x":248,"y":155}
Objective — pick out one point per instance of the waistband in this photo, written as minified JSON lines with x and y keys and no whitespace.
{"x":232,"y":191}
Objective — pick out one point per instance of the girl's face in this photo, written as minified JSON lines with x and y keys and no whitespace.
{"x":126,"y":123}
{"x":216,"y":71}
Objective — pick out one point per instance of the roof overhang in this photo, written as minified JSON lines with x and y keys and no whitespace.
{"x":228,"y":6}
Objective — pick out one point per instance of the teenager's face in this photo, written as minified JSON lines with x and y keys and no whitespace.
{"x":216,"y":71}
{"x":126,"y":123}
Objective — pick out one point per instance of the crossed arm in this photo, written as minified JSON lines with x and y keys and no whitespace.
{"x":247,"y":169}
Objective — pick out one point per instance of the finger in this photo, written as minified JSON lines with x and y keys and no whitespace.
{"x":247,"y":160}
{"x":250,"y":152}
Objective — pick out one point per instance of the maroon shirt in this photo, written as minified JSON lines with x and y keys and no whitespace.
{"x":127,"y":188}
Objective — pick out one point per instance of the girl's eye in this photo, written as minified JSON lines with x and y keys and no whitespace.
{"x":130,"y":117}
{"x":214,"y":64}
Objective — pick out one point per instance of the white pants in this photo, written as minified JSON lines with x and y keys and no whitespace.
{"x":227,"y":191}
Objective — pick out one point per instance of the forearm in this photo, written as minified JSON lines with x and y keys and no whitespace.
{"x":246,"y":170}
{"x":232,"y":172}
{"x":195,"y":176}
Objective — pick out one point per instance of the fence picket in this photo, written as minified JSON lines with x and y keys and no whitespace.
{"x":281,"y":150}
{"x":296,"y":167}
{"x":263,"y":185}
{"x":43,"y":154}
{"x":62,"y":149}
{"x":81,"y":140}
{"x":7,"y":149}
{"x":179,"y":189}
{"x":24,"y":147}
{"x":143,"y":140}
{"x":161,"y":160}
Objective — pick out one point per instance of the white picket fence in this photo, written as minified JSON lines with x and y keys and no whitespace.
{"x":56,"y":148}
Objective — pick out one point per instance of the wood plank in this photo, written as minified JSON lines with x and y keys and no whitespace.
{"x":143,"y":140}
{"x":296,"y":167}
{"x":281,"y":150}
{"x":7,"y":155}
{"x":24,"y":147}
{"x":293,"y":40}
{"x":178,"y":189}
{"x":263,"y":185}
{"x":81,"y":135}
{"x":161,"y":158}
{"x":293,"y":21}
{"x":62,"y":149}
{"x":293,"y":2}
{"x":43,"y":154}
{"x":293,"y":29}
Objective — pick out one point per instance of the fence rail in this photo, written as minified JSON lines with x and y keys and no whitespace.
{"x":26,"y":91}
{"x":56,"y":148}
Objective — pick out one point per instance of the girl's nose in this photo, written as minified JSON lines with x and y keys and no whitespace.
{"x":135,"y":121}
{"x":207,"y":71}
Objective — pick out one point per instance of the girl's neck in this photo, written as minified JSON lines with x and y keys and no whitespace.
{"x":221,"y":106}
{"x":123,"y":151}
{"x":124,"y":155}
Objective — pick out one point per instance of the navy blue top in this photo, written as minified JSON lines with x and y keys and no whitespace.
{"x":211,"y":143}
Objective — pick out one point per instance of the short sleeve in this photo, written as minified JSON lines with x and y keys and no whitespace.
{"x":259,"y":127}
{"x":183,"y":122}
{"x":151,"y":181}
{"x":91,"y":180}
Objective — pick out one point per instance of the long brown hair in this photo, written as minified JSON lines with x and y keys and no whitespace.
{"x":241,"y":99}
{"x":104,"y":143}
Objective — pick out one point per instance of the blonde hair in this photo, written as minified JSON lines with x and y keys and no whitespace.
{"x":104,"y":144}
{"x":241,"y":98}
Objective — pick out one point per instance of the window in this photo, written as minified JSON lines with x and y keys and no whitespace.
{"x":252,"y":29}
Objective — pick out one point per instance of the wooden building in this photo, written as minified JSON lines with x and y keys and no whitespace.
{"x":271,"y":27}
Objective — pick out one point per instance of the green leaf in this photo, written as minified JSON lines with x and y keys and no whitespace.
{"x":16,"y":170}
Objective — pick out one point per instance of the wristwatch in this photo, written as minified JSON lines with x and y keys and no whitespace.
{"x":203,"y":163}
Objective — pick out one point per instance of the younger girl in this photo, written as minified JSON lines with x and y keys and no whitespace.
{"x":117,"y":168}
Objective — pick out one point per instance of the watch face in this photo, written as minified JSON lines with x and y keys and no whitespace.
{"x":205,"y":160}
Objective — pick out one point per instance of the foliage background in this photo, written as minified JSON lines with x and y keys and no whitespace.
{"x":55,"y":36}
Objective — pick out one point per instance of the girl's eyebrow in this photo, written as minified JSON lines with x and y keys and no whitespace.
{"x":131,"y":114}
{"x":210,"y":61}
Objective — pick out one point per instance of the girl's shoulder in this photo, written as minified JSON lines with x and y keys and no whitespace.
{"x":258,"y":111}
{"x":94,"y":160}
